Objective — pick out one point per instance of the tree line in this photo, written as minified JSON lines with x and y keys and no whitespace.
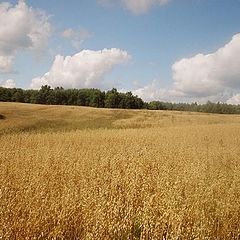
{"x":80,"y":97}
{"x":209,"y":107}
{"x":109,"y":99}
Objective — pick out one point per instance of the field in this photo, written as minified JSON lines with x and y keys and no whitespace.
{"x":83,"y":173}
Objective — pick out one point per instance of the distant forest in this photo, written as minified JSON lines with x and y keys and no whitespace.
{"x":109,"y":99}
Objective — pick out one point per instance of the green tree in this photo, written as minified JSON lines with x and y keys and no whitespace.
{"x":45,"y":95}
{"x":112,"y":98}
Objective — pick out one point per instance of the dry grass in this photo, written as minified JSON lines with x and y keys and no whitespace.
{"x":84,"y":173}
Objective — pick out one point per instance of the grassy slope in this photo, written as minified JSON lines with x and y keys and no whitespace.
{"x":85,"y":173}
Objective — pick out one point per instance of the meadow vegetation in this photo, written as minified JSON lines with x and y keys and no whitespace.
{"x":69,"y":172}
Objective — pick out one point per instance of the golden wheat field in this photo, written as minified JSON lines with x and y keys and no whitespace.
{"x":83,"y":173}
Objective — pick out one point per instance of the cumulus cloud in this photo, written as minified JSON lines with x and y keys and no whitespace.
{"x":207,"y":75}
{"x":214,"y":76}
{"x":8,"y":84}
{"x":149,"y":92}
{"x":135,"y":6}
{"x":21,"y":28}
{"x":77,"y":37}
{"x":83,"y":70}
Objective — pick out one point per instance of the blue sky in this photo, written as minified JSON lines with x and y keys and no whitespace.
{"x":155,"y":35}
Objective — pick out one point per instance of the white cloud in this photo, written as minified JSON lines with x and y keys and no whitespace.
{"x":153,"y":92}
{"x":83,"y":70}
{"x":234,"y":99}
{"x":8,"y":83}
{"x":149,"y":92}
{"x":208,"y":75}
{"x":21,"y":28}
{"x":77,"y":37}
{"x":135,"y":6}
{"x":214,"y":77}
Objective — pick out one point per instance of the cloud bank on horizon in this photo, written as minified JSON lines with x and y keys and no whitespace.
{"x":9,"y":83}
{"x":214,"y":76}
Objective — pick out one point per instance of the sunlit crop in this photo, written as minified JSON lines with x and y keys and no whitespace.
{"x":84,"y":173}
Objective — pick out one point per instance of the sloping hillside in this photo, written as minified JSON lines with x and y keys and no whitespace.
{"x":84,"y":173}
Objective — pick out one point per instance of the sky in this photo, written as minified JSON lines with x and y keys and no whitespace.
{"x":166,"y":50}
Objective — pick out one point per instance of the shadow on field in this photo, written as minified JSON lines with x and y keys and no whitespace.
{"x":49,"y":118}
{"x":63,"y":122}
{"x":65,"y":125}
{"x":2,"y":117}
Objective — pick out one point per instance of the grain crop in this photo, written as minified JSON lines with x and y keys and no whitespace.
{"x":83,"y":173}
